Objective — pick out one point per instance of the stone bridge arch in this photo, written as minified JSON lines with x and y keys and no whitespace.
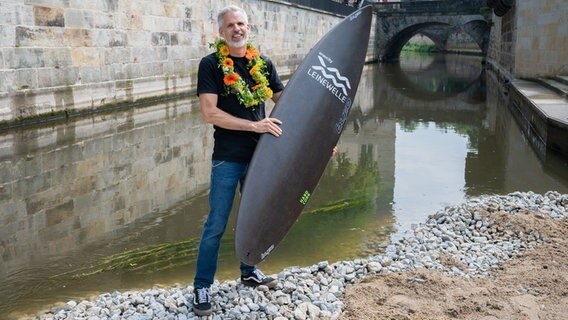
{"x":395,"y":28}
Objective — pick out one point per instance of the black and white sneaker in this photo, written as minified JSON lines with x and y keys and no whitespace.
{"x":257,"y":278}
{"x":202,"y":302}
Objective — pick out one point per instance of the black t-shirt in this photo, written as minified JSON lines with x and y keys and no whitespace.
{"x":233,"y":145}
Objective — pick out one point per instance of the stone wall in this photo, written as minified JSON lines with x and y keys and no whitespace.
{"x":542,"y":31}
{"x":529,"y":40}
{"x":62,"y":56}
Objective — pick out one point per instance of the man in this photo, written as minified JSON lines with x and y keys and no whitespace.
{"x":233,"y":83}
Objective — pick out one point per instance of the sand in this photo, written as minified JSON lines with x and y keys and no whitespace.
{"x":533,"y":285}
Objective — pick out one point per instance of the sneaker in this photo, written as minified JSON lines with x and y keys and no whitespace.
{"x":257,"y":278}
{"x":202,"y":302}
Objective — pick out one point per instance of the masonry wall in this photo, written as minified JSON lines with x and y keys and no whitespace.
{"x":63,"y":56}
{"x":529,"y":40}
{"x":542,"y":32}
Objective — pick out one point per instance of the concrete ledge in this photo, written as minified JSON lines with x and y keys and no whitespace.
{"x":555,"y":84}
{"x":542,"y":115}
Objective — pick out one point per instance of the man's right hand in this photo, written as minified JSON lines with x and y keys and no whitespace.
{"x":268,"y":125}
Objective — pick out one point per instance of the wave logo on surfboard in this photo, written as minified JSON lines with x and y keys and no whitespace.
{"x":330,"y":78}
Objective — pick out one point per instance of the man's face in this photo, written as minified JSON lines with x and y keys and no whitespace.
{"x":235,"y":29}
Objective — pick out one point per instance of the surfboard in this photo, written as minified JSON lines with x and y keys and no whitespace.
{"x":314,"y":106}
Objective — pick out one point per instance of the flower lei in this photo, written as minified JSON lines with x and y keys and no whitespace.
{"x":249,"y":97}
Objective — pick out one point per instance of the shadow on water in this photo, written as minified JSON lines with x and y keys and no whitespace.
{"x":117,"y":201}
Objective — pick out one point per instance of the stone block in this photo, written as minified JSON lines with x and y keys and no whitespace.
{"x":168,"y":24}
{"x":5,"y":108}
{"x":24,"y":79}
{"x":160,"y":54}
{"x":174,"y":39}
{"x":7,"y":172}
{"x":62,"y":98}
{"x":134,"y":22}
{"x":121,"y":20}
{"x":111,"y":5}
{"x":139,"y":38}
{"x":187,"y":39}
{"x":74,"y":18}
{"x":87,"y":56}
{"x":109,"y":38}
{"x":6,"y":13}
{"x":30,"y":185}
{"x":141,"y":54}
{"x":15,"y":14}
{"x":20,"y":58}
{"x":49,"y":17}
{"x":98,"y":20}
{"x":7,"y":36}
{"x":23,"y":15}
{"x":90,"y":74}
{"x":155,"y":8}
{"x":59,"y":214}
{"x":134,"y":71}
{"x":45,"y":37}
{"x":177,"y":53}
{"x":49,"y":3}
{"x":26,"y":36}
{"x":149,"y":23}
{"x":118,"y":39}
{"x":57,"y":57}
{"x":76,"y":37}
{"x":87,"y":5}
{"x":160,"y":39}
{"x":117,"y":55}
{"x":55,"y":77}
{"x":116,"y":72}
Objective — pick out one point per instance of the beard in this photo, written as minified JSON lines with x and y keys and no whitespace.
{"x":237,"y":44}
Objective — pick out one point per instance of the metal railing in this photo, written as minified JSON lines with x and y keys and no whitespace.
{"x":325,"y":5}
{"x":425,"y":6}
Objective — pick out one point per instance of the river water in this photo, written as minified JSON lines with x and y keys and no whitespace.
{"x":117,"y":201}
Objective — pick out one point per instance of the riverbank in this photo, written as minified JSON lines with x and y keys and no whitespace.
{"x":534,"y":285}
{"x":480,"y":248}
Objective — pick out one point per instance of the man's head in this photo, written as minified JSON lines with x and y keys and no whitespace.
{"x":233,"y":26}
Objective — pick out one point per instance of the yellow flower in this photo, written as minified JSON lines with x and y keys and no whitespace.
{"x":224,"y":50}
{"x":267,"y":93}
{"x":228,"y":63}
{"x":254,"y":69}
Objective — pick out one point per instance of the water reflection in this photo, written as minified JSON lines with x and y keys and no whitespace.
{"x":117,"y":201}
{"x":437,"y":76}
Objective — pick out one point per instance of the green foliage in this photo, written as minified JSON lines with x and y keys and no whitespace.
{"x":355,"y":185}
{"x":419,"y":48}
{"x":147,"y":259}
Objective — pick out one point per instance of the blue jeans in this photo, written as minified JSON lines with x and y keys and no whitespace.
{"x":225,"y":176}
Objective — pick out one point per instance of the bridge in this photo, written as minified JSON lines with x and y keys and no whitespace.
{"x":397,"y":22}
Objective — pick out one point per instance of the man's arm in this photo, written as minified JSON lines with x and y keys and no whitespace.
{"x":276,"y":96}
{"x":215,"y":116}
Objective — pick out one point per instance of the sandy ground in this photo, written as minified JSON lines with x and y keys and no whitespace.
{"x":534,"y":285}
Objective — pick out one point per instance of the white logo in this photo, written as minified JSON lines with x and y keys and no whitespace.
{"x":267,"y":252}
{"x":330,"y":78}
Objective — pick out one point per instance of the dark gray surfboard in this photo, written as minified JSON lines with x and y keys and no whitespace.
{"x":314,"y":106}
